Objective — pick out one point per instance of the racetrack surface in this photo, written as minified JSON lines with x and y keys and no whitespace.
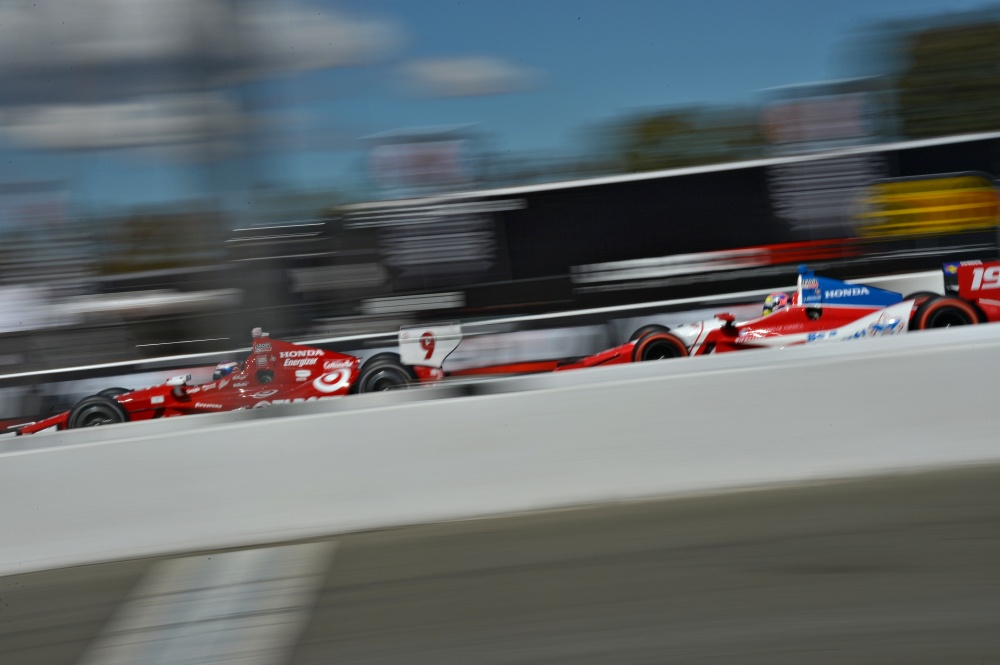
{"x":886,"y":570}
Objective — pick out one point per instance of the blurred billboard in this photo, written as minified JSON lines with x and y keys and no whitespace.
{"x":928,"y":206}
{"x":825,"y":115}
{"x":423,"y":161}
{"x":646,"y":237}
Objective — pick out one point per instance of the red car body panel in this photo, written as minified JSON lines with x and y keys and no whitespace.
{"x":275,"y":372}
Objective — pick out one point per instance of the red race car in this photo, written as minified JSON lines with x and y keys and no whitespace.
{"x":276,"y":372}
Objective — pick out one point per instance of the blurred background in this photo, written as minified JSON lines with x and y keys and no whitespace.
{"x":176,"y":172}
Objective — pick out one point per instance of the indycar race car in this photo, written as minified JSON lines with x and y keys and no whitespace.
{"x":275,"y":372}
{"x":822,"y":309}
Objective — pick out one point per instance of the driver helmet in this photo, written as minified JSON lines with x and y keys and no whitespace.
{"x":774,"y":302}
{"x":224,"y":369}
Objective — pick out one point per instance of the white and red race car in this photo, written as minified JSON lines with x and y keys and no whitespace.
{"x":825,"y":310}
{"x":822,"y":309}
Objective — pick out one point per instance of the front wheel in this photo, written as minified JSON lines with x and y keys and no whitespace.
{"x":658,"y":346}
{"x":944,"y":312}
{"x":96,"y":410}
{"x":383,"y":372}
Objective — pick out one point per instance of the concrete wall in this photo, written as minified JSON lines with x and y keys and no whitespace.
{"x":525,"y":443}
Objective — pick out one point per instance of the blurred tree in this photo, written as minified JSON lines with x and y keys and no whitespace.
{"x":657,"y":141}
{"x":951,"y":80}
{"x":688,"y":137}
{"x":162,"y":240}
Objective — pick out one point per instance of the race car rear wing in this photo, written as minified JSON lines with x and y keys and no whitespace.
{"x":973,"y":280}
{"x":428,"y":346}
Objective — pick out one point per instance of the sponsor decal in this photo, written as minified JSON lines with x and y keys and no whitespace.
{"x":195,"y":389}
{"x":819,"y":336}
{"x":240,"y":384}
{"x":304,"y":353}
{"x":156,"y":399}
{"x":849,"y":292}
{"x":337,"y":364}
{"x":300,"y":362}
{"x":333,"y":381}
{"x":302,"y":374}
{"x":223,"y":383}
{"x":261,"y":361}
{"x":207,"y":405}
{"x":266,"y":403}
{"x":881,"y":328}
{"x":263,"y":394}
{"x":811,"y":291}
{"x":262,"y":347}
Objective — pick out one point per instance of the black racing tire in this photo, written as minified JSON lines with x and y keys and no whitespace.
{"x":658,"y":346}
{"x":646,"y":329}
{"x":922,"y":296}
{"x":113,"y":392}
{"x":382,"y":372}
{"x":96,"y":410}
{"x":945,"y":312}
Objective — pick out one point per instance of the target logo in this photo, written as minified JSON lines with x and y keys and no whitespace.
{"x":331,"y":382}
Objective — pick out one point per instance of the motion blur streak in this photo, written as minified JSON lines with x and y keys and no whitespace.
{"x":339,"y":142}
{"x":248,"y":607}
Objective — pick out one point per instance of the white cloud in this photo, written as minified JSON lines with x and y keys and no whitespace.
{"x":47,"y":33}
{"x":286,"y":38}
{"x":283,"y":36}
{"x":466,"y":77}
{"x":159,"y":121}
{"x":93,"y":74}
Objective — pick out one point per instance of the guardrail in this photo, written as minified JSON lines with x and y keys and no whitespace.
{"x":518,"y":444}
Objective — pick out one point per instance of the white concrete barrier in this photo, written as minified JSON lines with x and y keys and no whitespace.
{"x":605,"y":434}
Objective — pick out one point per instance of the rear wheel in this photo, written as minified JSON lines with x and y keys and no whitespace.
{"x":94,"y":411}
{"x":645,"y":330}
{"x":658,"y":346}
{"x":944,"y":312}
{"x":922,"y":296}
{"x":383,"y":372}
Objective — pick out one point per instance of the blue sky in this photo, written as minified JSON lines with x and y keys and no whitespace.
{"x":121,"y":111}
